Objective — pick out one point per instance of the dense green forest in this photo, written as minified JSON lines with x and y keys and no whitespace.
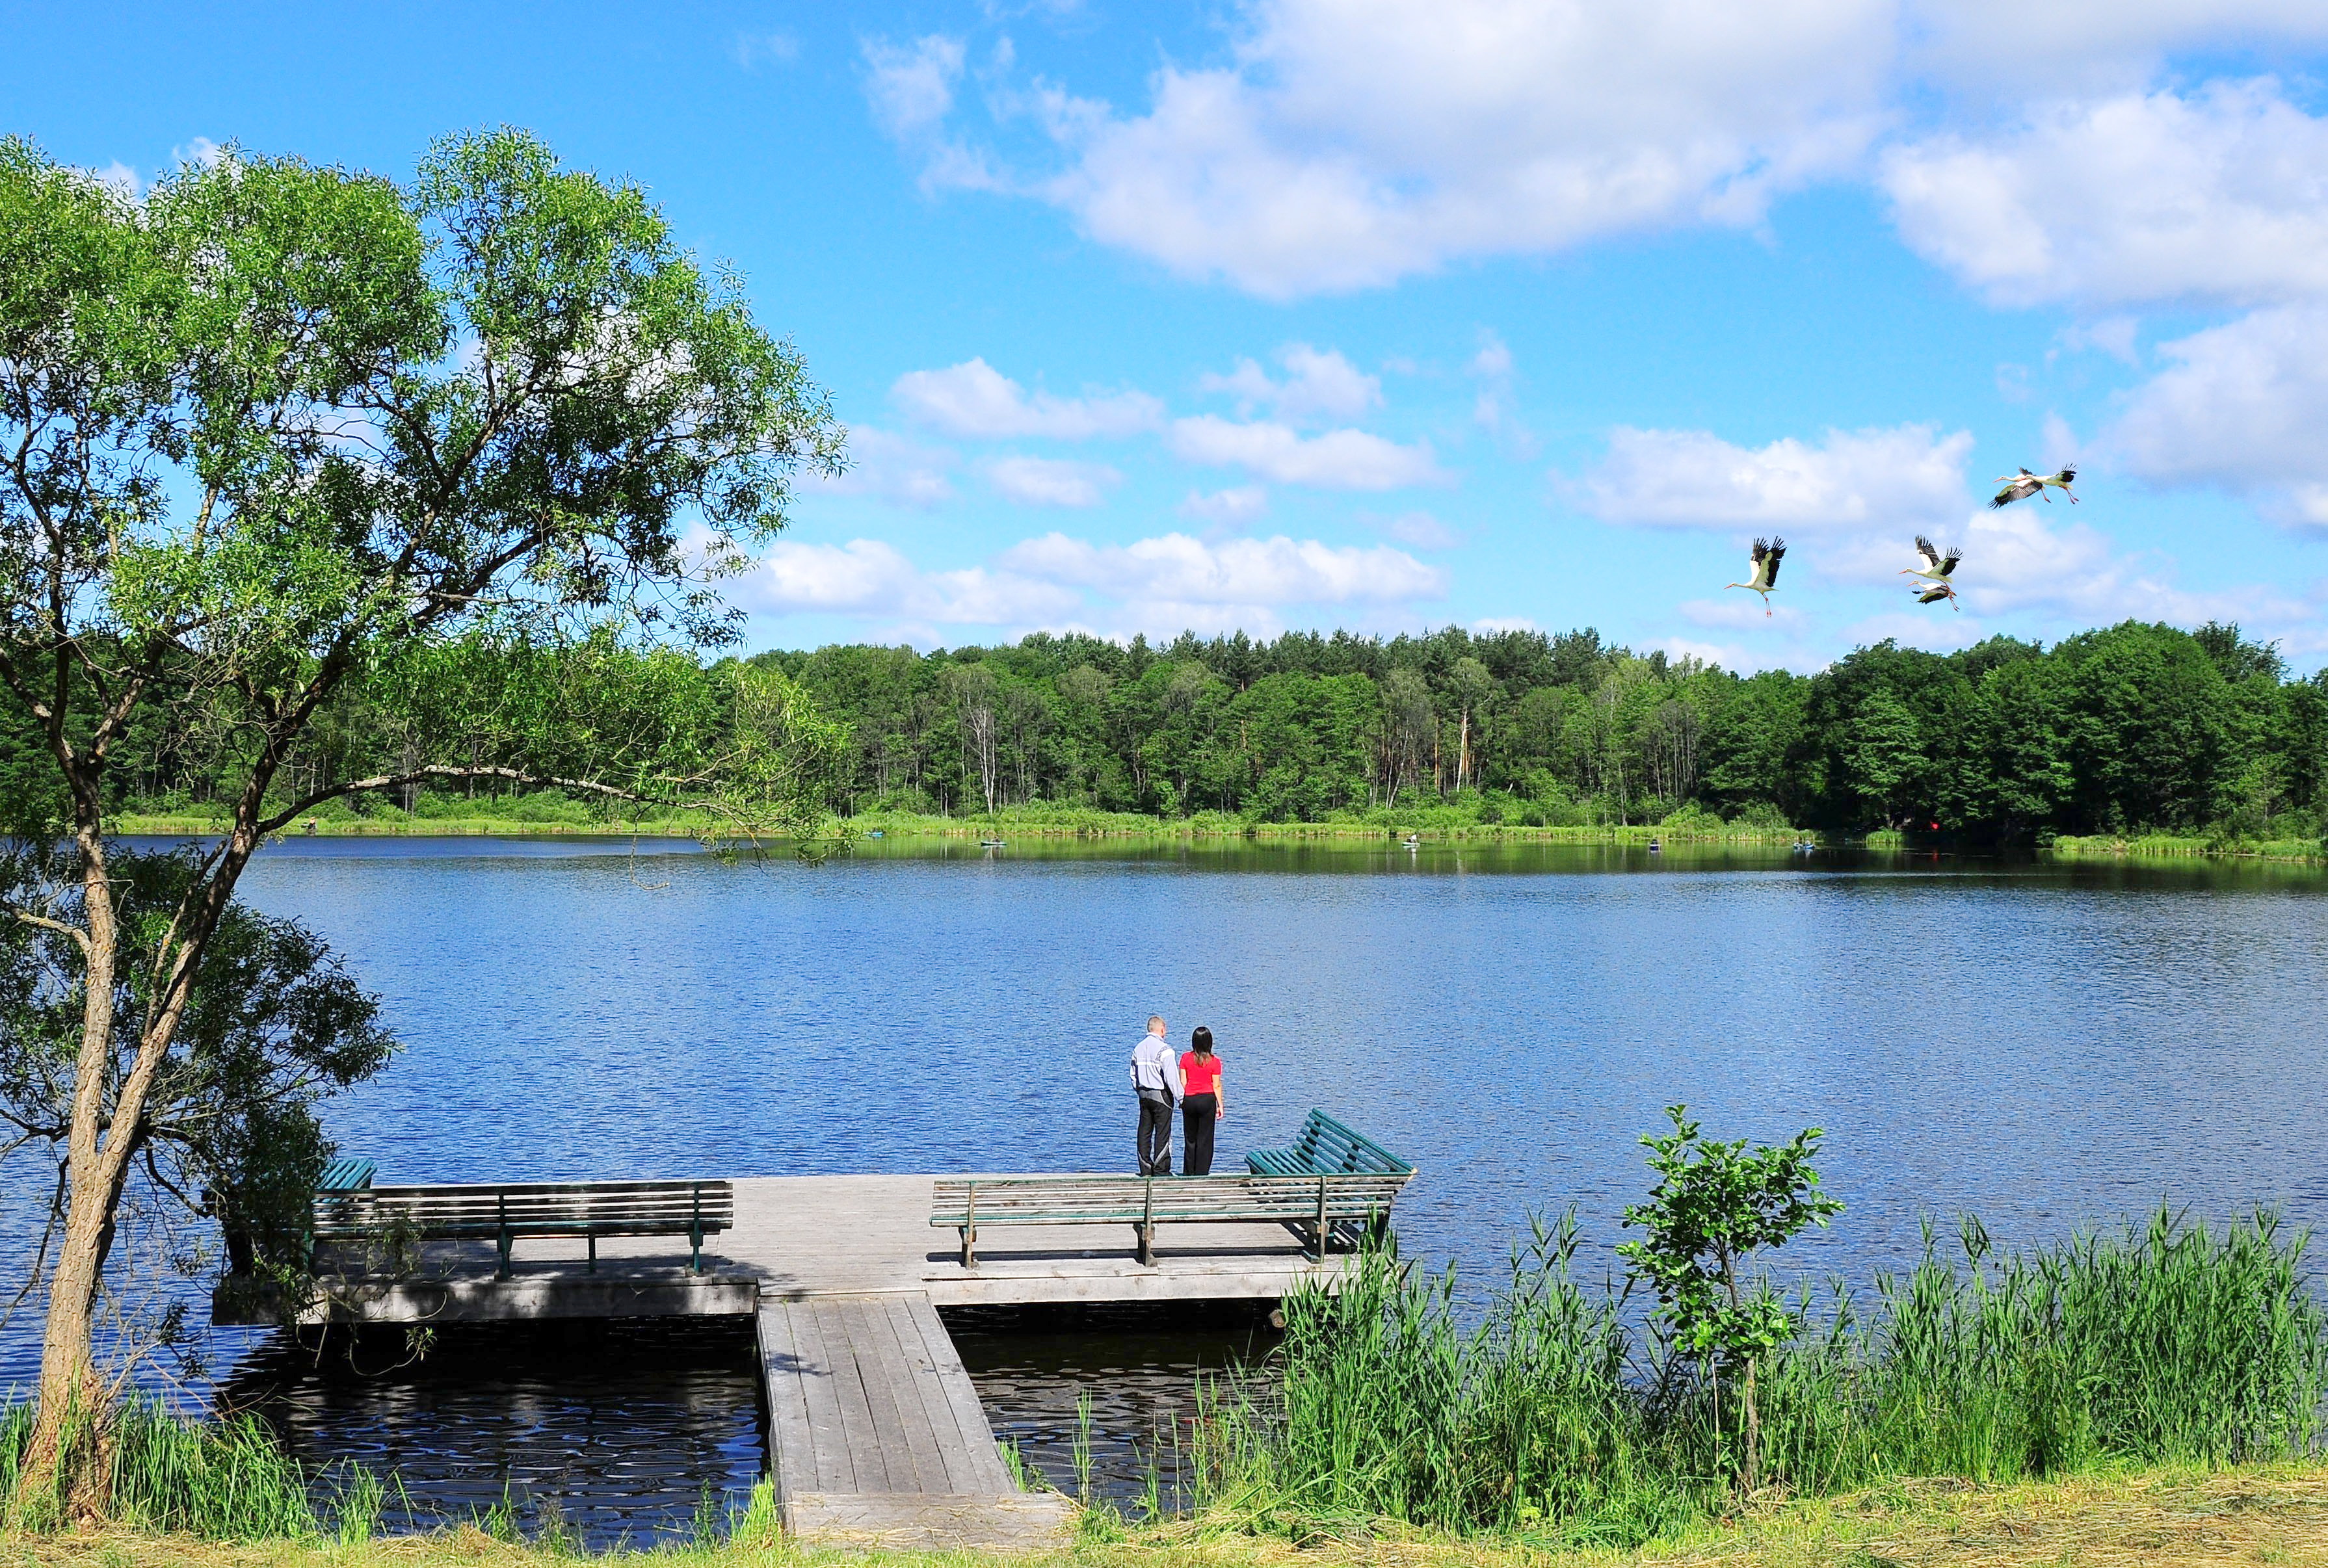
{"x":2128,"y":729}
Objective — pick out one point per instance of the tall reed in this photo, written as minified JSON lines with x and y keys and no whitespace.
{"x":1547,"y":1413}
{"x":226,"y":1479}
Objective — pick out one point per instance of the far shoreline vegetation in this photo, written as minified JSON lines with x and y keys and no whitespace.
{"x":2135,"y":740}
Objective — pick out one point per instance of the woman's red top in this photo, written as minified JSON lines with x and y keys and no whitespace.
{"x":1200,"y":1074}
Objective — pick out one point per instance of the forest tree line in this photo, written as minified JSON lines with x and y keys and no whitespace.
{"x":2131,"y":728}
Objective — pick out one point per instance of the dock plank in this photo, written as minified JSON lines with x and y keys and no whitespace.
{"x":956,"y":1450}
{"x":908,"y":1444}
{"x":830,"y":1454}
{"x":961,"y":1396}
{"x":867,"y":1456}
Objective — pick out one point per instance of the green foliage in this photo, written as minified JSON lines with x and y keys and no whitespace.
{"x":229,"y":1129}
{"x":2174,"y":1343}
{"x":1714,"y":1207}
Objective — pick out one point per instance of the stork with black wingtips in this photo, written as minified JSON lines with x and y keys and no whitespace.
{"x":1935,"y":573}
{"x":1765,"y":574}
{"x":2019,"y":487}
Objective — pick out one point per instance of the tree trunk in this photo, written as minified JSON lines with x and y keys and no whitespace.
{"x":70,"y":1393}
{"x":1753,"y":1432}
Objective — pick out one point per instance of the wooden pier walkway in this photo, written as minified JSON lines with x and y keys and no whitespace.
{"x":878,"y":1436}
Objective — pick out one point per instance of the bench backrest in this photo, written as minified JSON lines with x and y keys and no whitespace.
{"x":1327,"y":1144}
{"x":345,"y":1174}
{"x":1070,"y":1199}
{"x":482,"y":1206}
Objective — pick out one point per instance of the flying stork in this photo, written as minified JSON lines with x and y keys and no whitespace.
{"x":2019,"y":487}
{"x":1934,"y":572}
{"x":1765,"y":574}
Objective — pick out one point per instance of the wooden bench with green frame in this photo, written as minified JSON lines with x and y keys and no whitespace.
{"x":1326,"y":1146}
{"x":503,"y":1212}
{"x":1317,"y":1207}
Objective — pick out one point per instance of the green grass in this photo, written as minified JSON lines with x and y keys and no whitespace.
{"x":1433,"y":822}
{"x":1552,"y":1419}
{"x":2169,"y":844}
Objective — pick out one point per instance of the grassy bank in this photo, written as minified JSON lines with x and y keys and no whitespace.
{"x":1552,"y":1418}
{"x":1449,"y":822}
{"x":531,"y":816}
{"x":2165,"y":1517}
{"x":2168,"y":845}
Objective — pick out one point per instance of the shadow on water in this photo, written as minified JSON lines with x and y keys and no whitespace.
{"x":596,"y":1433}
{"x":1136,"y":1365}
{"x":603,"y":1433}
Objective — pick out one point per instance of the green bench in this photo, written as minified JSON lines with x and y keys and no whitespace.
{"x":1326,"y":1146}
{"x":1317,"y":1207}
{"x":505,"y":1212}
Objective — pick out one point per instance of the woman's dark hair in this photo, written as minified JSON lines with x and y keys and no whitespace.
{"x":1201,"y":1042}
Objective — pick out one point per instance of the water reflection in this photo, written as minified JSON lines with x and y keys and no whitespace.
{"x":1097,"y":1399}
{"x":2047,"y":1044}
{"x":597,"y":1432}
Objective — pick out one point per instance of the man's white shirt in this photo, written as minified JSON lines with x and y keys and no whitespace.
{"x":1155,"y":1065}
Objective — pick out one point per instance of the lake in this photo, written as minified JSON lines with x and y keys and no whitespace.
{"x":2046,"y":1045}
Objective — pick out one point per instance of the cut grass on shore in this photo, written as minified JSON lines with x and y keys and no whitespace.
{"x":2163,"y":1518}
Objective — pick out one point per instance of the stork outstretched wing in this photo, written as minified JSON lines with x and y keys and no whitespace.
{"x":1771,"y":560}
{"x":1931,"y":556}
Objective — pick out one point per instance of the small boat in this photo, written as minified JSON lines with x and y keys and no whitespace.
{"x":991,"y":843}
{"x":873,"y":833}
{"x":1413,"y":841}
{"x":1656,"y":848}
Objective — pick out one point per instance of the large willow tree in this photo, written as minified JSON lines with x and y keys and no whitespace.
{"x":276,"y":429}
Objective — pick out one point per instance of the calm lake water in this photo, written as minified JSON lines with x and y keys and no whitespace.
{"x":2047,"y":1046}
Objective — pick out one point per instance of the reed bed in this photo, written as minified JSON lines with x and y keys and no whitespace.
{"x":1551,"y":1416}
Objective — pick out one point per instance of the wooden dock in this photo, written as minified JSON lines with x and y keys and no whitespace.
{"x":876,"y":1434}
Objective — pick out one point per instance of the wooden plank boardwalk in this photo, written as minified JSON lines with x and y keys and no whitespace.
{"x":877,"y":1437}
{"x":876,"y":1434}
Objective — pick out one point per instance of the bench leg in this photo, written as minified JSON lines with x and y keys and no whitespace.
{"x":970,"y":1246}
{"x":695,"y":1247}
{"x":594,"y":1253}
{"x":1147,"y":1233}
{"x":502,"y":1245}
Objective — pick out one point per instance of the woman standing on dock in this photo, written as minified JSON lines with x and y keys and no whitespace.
{"x":1200,"y":1103}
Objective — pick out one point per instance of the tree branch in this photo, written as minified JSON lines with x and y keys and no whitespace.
{"x":290,"y":814}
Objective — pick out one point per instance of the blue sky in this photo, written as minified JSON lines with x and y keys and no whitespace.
{"x":1416,"y":313}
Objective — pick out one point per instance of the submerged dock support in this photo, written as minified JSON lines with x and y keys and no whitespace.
{"x":875,"y":1436}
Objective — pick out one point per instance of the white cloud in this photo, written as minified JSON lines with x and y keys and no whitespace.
{"x":2015,"y":558}
{"x":2111,"y":335}
{"x":1336,"y":460}
{"x":2242,"y":406}
{"x":1743,"y":614}
{"x":1315,"y":383}
{"x":870,"y":578}
{"x":121,"y":178}
{"x":1422,"y":531}
{"x":201,"y":150}
{"x":1345,"y":146}
{"x":1045,"y":482}
{"x":975,"y":399}
{"x":2218,"y":195}
{"x":889,"y":467}
{"x":1179,"y":569}
{"x":1162,"y":584}
{"x":752,"y":50}
{"x":2075,"y":45}
{"x":1902,"y":478}
{"x":1231,"y":509}
{"x":910,"y":86}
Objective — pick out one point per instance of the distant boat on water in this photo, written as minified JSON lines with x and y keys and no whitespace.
{"x":991,"y":843}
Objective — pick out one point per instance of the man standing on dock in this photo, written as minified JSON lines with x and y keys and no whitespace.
{"x":1156,"y":1078}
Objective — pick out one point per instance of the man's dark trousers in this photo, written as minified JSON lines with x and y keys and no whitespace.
{"x":1155,"y":1133}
